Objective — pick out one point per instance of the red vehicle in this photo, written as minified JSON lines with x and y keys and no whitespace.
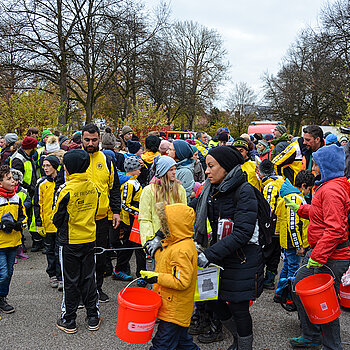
{"x":179,"y":135}
{"x":263,"y":127}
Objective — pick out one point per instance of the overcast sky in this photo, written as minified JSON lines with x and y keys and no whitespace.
{"x":256,"y":33}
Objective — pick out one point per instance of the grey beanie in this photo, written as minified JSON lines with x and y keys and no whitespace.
{"x":126,"y":129}
{"x":281,"y":128}
{"x":11,"y":138}
{"x":264,"y":143}
{"x":131,"y":163}
{"x":108,"y":140}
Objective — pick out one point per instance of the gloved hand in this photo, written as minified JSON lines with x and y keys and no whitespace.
{"x":149,"y":276}
{"x":152,"y":245}
{"x":202,"y":260}
{"x":314,"y":264}
{"x":18,"y":226}
{"x":198,"y":247}
{"x":41,"y":231}
{"x":7,"y":223}
{"x":290,"y":204}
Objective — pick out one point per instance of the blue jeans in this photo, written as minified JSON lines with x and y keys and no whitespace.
{"x":171,"y":336}
{"x":7,"y":260}
{"x":290,"y":267}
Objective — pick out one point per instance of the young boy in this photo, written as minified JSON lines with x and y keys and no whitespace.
{"x":74,"y":212}
{"x":43,"y":203}
{"x":12,"y":219}
{"x":175,"y":278}
{"x":293,"y":230}
{"x":130,"y":197}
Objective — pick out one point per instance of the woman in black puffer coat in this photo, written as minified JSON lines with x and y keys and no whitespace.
{"x":227,"y":195}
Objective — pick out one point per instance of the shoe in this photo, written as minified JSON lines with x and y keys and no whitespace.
{"x":53,"y":282}
{"x":69,"y":328}
{"x":245,"y":343}
{"x":60,"y":286}
{"x":81,"y":305}
{"x":121,"y":276}
{"x":103,"y":297}
{"x":93,"y":323}
{"x":290,"y":306}
{"x":231,"y":326}
{"x":214,"y":334}
{"x":302,"y":342}
{"x":5,"y":307}
{"x":37,"y":245}
{"x":141,"y":283}
{"x":277,"y":299}
{"x":16,"y":261}
{"x":269,"y":281}
{"x":44,"y":251}
{"x":200,"y":323}
{"x":20,"y":253}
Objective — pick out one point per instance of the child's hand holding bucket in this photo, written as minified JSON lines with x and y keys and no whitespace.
{"x":149,"y":276}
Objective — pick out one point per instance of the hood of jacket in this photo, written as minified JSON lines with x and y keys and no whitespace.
{"x":123,"y":177}
{"x":233,"y":179}
{"x":331,"y":161}
{"x":288,"y":188}
{"x":283,"y":137}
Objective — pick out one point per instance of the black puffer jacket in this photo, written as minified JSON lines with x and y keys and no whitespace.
{"x":242,"y":278}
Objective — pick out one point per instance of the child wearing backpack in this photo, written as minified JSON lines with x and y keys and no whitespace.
{"x":293,"y":230}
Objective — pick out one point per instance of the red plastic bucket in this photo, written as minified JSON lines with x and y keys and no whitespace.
{"x":318,"y":296}
{"x":344,"y":292}
{"x":137,"y":313}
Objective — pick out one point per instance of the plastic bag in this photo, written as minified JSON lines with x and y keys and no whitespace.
{"x":345,"y":280}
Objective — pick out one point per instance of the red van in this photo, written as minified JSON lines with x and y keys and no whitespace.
{"x":263,"y":127}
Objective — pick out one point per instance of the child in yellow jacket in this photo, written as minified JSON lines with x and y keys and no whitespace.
{"x":175,"y":278}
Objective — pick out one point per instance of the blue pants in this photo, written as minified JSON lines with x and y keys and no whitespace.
{"x":290,"y":267}
{"x":171,"y":336}
{"x":7,"y":260}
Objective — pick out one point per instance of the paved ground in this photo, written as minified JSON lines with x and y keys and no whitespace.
{"x":32,"y":326}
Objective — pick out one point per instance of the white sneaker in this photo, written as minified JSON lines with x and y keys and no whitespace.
{"x":53,"y":282}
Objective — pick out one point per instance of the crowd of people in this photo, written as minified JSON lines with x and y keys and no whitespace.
{"x":189,"y":204}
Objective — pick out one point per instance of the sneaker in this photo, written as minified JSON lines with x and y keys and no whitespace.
{"x":302,"y":342}
{"x":5,"y":307}
{"x":214,"y":334}
{"x":81,"y":305}
{"x":93,"y":323}
{"x":60,"y":286}
{"x":277,"y":299}
{"x":53,"y":282}
{"x":69,"y":328}
{"x":103,"y":297}
{"x":121,"y":276}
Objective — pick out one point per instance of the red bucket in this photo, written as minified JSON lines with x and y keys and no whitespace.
{"x":137,"y":313}
{"x":318,"y":296}
{"x":344,"y":292}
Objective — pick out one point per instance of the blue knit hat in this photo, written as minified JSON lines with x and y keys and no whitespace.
{"x":163,"y":164}
{"x":331,"y":138}
{"x":331,"y":161}
{"x":183,"y":149}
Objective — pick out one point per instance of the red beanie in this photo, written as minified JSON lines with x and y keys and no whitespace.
{"x":29,"y":142}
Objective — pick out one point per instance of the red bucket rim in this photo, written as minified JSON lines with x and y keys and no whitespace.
{"x":137,"y":306}
{"x":300,"y":291}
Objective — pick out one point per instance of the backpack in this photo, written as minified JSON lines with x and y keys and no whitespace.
{"x":266,"y":221}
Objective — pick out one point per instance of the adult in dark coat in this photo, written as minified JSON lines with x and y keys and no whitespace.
{"x":239,"y":252}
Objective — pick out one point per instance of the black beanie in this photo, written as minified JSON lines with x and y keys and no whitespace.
{"x":223,"y":136}
{"x":266,"y":168}
{"x":54,"y":161}
{"x":133,"y":146}
{"x":152,"y":143}
{"x":76,"y":161}
{"x":227,"y":157}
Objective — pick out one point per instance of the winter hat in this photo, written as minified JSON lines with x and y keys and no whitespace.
{"x":152,"y":143}
{"x":162,"y":165}
{"x":257,"y":136}
{"x":77,"y":137}
{"x":245,"y":136}
{"x":343,"y":138}
{"x":131,"y":163}
{"x":331,"y":161}
{"x":54,"y":161}
{"x":46,"y":132}
{"x":194,"y":149}
{"x":264,"y":143}
{"x":241,"y":142}
{"x":62,"y":138}
{"x":52,"y":144}
{"x":126,"y":129}
{"x":11,"y":138}
{"x":223,"y":136}
{"x":281,"y":128}
{"x":164,"y":146}
{"x":331,"y":138}
{"x":17,"y":175}
{"x":133,"y":146}
{"x":225,"y":130}
{"x":182,"y":149}
{"x":76,"y":161}
{"x":108,"y":140}
{"x":266,"y":168}
{"x":268,"y":137}
{"x":29,"y":142}
{"x":326,"y":134}
{"x":227,"y":157}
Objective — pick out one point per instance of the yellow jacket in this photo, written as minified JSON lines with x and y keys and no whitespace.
{"x":202,"y":147}
{"x":75,"y":208}
{"x":177,"y":266}
{"x":14,"y":206}
{"x":130,"y":196}
{"x":148,"y":218}
{"x":43,"y":203}
{"x":102,"y":173}
{"x":249,"y":167}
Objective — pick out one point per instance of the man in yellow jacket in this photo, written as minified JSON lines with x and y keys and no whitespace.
{"x":104,"y":175}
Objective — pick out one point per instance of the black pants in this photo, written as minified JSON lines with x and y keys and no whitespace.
{"x":272,"y":254}
{"x":78,"y":272}
{"x":102,"y":240}
{"x":53,"y":262}
{"x":239,"y":311}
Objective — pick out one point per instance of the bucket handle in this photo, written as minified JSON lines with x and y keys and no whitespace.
{"x":293,"y":290}
{"x":136,"y":279}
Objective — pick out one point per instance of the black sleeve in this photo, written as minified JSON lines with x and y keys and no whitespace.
{"x":18,"y":165}
{"x":59,"y":216}
{"x":36,"y":205}
{"x":114,"y":194}
{"x":244,"y":220}
{"x":21,"y":215}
